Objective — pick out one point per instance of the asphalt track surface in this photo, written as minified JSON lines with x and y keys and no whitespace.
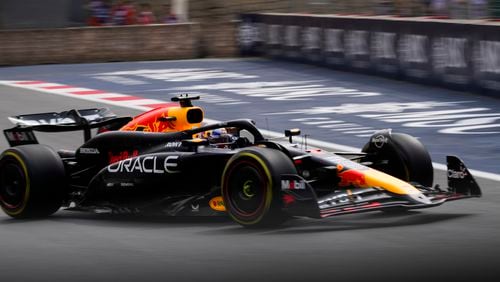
{"x":458,"y":241}
{"x":331,"y":106}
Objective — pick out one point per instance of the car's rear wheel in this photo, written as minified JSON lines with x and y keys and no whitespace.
{"x":251,"y":186}
{"x":32,"y":181}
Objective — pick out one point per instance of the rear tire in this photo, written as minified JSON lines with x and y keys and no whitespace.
{"x":251,"y":186}
{"x":32,"y":181}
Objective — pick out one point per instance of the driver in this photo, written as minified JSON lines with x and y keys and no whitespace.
{"x":220,"y":136}
{"x":224,"y":138}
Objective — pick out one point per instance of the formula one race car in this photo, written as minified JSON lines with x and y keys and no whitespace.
{"x":182,"y":167}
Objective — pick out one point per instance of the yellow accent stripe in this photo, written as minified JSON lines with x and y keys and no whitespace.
{"x":27,"y":193}
{"x":389,"y":183}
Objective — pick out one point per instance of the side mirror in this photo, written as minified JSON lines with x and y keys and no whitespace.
{"x":292,"y":132}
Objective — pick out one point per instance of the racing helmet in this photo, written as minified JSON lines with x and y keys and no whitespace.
{"x":218,"y":137}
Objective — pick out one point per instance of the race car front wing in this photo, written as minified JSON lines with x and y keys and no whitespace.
{"x":299,"y":198}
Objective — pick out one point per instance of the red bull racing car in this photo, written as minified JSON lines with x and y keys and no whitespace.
{"x":168,"y":162}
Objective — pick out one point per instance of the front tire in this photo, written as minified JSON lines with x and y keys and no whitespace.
{"x":32,"y":181}
{"x":402,"y":156}
{"x":251,"y":186}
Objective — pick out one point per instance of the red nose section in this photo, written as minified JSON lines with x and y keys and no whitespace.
{"x":352,"y":177}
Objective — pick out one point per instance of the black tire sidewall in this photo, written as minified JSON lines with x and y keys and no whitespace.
{"x":411,"y":160}
{"x":271,"y":164}
{"x":9,"y":161}
{"x":233,"y":175}
{"x":45,"y":183}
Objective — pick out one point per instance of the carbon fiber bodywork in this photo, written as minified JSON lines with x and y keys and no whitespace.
{"x":176,"y":173}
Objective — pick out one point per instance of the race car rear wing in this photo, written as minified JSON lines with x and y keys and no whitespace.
{"x":71,"y":120}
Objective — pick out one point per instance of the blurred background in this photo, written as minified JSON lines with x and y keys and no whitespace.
{"x":19,"y":14}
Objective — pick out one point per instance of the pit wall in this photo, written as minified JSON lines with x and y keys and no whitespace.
{"x":462,"y":55}
{"x":115,"y":43}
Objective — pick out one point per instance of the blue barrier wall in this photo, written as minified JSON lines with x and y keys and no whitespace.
{"x":458,"y":55}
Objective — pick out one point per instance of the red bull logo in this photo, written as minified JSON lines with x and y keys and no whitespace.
{"x":151,"y":121}
{"x":120,"y":156}
{"x":352,"y":177}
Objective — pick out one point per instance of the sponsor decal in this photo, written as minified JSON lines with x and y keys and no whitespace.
{"x":444,"y":117}
{"x":112,"y":185}
{"x":449,"y":52}
{"x":357,"y":43}
{"x":357,"y":48}
{"x":293,"y":185}
{"x":352,"y":177}
{"x":195,"y":207}
{"x":305,"y":90}
{"x":173,"y":144}
{"x":379,"y":141}
{"x":146,"y":165}
{"x":292,"y":36}
{"x":383,"y":45}
{"x":486,"y":60}
{"x":179,"y":74}
{"x":89,"y":151}
{"x":457,"y":174}
{"x":487,"y":57}
{"x":123,"y":155}
{"x":412,"y":48}
{"x":362,"y":108}
{"x":217,"y":204}
{"x":247,"y":35}
{"x":333,"y":40}
{"x":311,"y":38}
{"x":20,"y":136}
{"x":273,"y":32}
{"x":51,"y":121}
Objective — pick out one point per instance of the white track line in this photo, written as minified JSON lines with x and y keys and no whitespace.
{"x":142,"y":106}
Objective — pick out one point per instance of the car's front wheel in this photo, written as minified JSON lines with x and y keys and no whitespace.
{"x":402,"y":156}
{"x":251,"y":186}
